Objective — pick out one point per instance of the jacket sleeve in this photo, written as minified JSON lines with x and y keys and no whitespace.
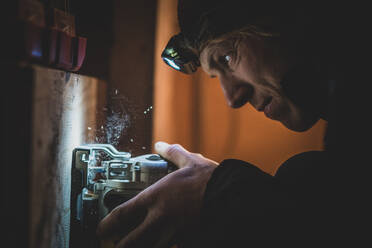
{"x":243,"y":205}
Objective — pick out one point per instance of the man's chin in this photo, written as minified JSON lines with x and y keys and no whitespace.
{"x":300,"y":125}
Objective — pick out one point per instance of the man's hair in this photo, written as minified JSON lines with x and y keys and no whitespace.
{"x":205,"y":21}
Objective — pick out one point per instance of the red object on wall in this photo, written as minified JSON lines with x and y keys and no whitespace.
{"x":51,"y":46}
{"x":64,"y":58}
{"x":80,"y":45}
{"x":64,"y":51}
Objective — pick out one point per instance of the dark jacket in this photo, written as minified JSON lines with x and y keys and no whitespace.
{"x":316,"y":199}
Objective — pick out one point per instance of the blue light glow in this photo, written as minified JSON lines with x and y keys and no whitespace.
{"x":171,"y":63}
{"x":36,"y":53}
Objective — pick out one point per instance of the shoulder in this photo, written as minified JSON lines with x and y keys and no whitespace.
{"x":303,"y":167}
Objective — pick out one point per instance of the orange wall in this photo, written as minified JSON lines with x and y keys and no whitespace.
{"x":192,"y":111}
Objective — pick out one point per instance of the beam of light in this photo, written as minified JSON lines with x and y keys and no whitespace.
{"x":72,"y":135}
{"x":172,"y":64}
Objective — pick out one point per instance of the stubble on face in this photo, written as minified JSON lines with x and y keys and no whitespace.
{"x":260,"y":65}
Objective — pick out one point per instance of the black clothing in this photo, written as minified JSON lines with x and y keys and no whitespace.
{"x":246,"y":207}
{"x":316,"y":199}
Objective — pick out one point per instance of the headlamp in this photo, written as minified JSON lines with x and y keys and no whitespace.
{"x":179,"y":57}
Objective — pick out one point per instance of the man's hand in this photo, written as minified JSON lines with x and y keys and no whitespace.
{"x":167,"y":208}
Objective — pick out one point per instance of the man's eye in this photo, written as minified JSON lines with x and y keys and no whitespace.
{"x":225,"y":60}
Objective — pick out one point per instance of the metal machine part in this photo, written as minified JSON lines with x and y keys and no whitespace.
{"x":103,"y":178}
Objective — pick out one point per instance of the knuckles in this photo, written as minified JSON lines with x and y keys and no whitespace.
{"x":173,"y":149}
{"x":184,"y":158}
{"x":198,"y":155}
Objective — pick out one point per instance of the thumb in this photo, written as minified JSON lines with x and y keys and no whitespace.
{"x":174,"y":153}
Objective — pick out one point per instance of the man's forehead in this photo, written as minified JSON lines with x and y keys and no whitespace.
{"x":209,"y":55}
{"x":207,"y":60}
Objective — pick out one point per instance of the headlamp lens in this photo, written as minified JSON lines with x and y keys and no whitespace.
{"x":172,"y":64}
{"x":179,"y":57}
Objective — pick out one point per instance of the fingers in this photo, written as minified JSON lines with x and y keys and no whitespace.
{"x":122,"y":219}
{"x":180,"y":156}
{"x":174,"y":153}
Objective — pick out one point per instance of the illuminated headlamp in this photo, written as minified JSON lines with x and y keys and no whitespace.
{"x":180,"y":58}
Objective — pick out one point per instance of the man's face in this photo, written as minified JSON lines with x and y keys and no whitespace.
{"x":252,"y":70}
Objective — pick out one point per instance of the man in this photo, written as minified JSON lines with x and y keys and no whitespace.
{"x":286,"y":62}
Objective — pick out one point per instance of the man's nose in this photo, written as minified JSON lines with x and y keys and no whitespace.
{"x":227,"y":88}
{"x":235,"y":91}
